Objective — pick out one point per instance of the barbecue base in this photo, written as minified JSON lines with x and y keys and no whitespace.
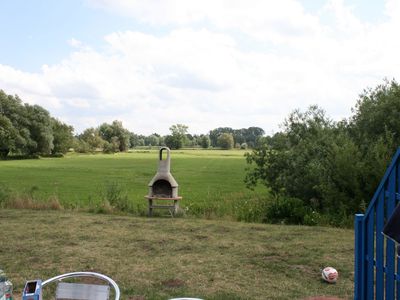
{"x":172,"y":204}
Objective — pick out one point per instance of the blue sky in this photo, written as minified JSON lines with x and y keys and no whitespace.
{"x":37,"y":32}
{"x":205,"y":64}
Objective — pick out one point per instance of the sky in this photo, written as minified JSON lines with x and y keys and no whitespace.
{"x":202,"y":63}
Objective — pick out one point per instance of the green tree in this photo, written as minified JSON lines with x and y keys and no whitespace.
{"x":91,"y":136}
{"x":113,"y":146}
{"x":29,"y":129}
{"x":63,"y":136}
{"x":215,"y":133}
{"x":375,"y":128}
{"x":40,"y":130}
{"x":16,"y":136}
{"x":109,"y":132}
{"x":307,"y":160}
{"x":152,"y":140}
{"x":376,"y":115}
{"x":178,"y":136}
{"x":252,"y":135}
{"x":8,"y":135}
{"x":205,"y":141}
{"x":225,"y":141}
{"x":136,"y":140}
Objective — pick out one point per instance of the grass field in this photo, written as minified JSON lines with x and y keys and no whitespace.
{"x":161,"y":258}
{"x":211,"y":182}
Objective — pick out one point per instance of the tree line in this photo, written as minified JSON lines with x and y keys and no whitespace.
{"x":316,"y":167}
{"x":29,"y":130}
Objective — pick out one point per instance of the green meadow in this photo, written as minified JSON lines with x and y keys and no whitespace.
{"x":210,"y":182}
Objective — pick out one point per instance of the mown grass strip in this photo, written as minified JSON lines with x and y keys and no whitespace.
{"x":161,"y":258}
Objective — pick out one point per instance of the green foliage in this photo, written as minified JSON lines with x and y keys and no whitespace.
{"x":286,"y":211}
{"x":5,"y":194}
{"x":116,"y":135}
{"x":249,"y":208}
{"x":8,"y":134}
{"x":22,"y":156}
{"x":178,"y":138}
{"x":250,"y":135}
{"x":116,"y":196}
{"x":215,"y":133}
{"x":40,"y":129}
{"x":91,"y":140}
{"x":333,"y":168}
{"x":225,"y":141}
{"x":312,"y":160}
{"x":63,"y":136}
{"x":152,"y":140}
{"x":376,"y":114}
{"x":29,"y":129}
{"x":205,"y":141}
{"x":15,"y":134}
{"x":173,"y":142}
{"x":80,"y":146}
{"x":136,"y":140}
{"x":113,"y":146}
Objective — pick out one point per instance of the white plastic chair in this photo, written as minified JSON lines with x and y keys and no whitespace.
{"x":83,"y":291}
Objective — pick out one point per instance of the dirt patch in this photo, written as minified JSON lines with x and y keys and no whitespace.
{"x":173,"y":283}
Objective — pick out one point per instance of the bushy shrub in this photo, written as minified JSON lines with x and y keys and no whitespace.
{"x":225,"y":141}
{"x":285,"y":211}
{"x":249,"y":208}
{"x":22,"y":156}
{"x":53,"y":155}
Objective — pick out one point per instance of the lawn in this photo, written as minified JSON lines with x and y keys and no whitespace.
{"x":210,"y":181}
{"x":161,"y":258}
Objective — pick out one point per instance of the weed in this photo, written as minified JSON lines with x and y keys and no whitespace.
{"x":116,"y":197}
{"x":25,"y":201}
{"x":5,"y":194}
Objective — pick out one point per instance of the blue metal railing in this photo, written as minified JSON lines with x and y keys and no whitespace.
{"x":376,"y":271}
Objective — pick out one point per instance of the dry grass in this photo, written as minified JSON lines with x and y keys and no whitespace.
{"x":27,"y":202}
{"x":162,"y":258}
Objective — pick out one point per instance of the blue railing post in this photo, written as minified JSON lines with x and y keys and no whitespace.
{"x":359,"y":258}
{"x":375,"y":275}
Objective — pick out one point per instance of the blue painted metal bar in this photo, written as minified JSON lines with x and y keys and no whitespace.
{"x":369,"y":238}
{"x":359,"y":257}
{"x":397,"y":279}
{"x":390,"y":259}
{"x":397,"y":195}
{"x":384,"y":179}
{"x":380,"y":275}
{"x":398,"y":259}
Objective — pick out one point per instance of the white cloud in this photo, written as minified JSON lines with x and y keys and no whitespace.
{"x":74,"y":43}
{"x":222,"y":63}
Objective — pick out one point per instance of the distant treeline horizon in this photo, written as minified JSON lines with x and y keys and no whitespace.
{"x":30,"y":130}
